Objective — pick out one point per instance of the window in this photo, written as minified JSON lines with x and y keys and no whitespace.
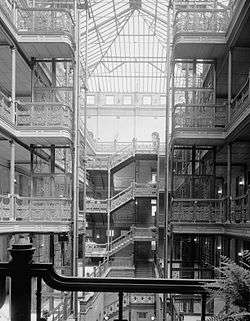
{"x":142,"y":315}
{"x":153,"y":210}
{"x":127,"y":100}
{"x":146,"y":100}
{"x":153,"y":207}
{"x":111,"y":233}
{"x":110,"y":100}
{"x":153,"y":177}
{"x":91,"y":100}
{"x":163,"y":100}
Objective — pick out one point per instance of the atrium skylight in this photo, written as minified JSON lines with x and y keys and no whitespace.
{"x":126,"y":46}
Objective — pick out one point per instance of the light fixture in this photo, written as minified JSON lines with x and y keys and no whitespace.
{"x":241,"y":181}
{"x":152,"y":318}
{"x":97,"y":236}
{"x":195,"y":239}
{"x":240,"y":254}
{"x":219,"y":191}
{"x":219,"y":247}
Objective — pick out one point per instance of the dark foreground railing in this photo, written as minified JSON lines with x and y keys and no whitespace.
{"x":21,"y":270}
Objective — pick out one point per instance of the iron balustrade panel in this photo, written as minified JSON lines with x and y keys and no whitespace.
{"x":199,"y":116}
{"x":43,"y":114}
{"x":44,"y":20}
{"x":197,"y":210}
{"x":202,"y":21}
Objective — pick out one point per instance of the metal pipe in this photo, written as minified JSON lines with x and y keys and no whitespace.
{"x":203,"y":306}
{"x":168,"y":50}
{"x":229,"y":84}
{"x":38,"y":298}
{"x":75,"y":156}
{"x":85,"y":139}
{"x":13,"y":116}
{"x":120,"y":318}
{"x":166,"y":167}
{"x":108,"y":211}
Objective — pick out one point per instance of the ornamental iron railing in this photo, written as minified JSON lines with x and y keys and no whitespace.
{"x":44,"y":115}
{"x":199,"y":116}
{"x":35,"y":209}
{"x":202,"y":21}
{"x":43,"y":21}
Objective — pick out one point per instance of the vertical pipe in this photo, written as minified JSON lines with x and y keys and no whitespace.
{"x":32,"y":85}
{"x":31,"y":170}
{"x":157,"y":216}
{"x":168,"y":71}
{"x":229,"y":84}
{"x":13,"y":84}
{"x":166,"y":167}
{"x":193,"y":172}
{"x":229,"y":178}
{"x":120,"y":318}
{"x":12,"y":178}
{"x":75,"y":156}
{"x":38,"y":298}
{"x":85,"y":138}
{"x":108,"y":213}
{"x":214,"y":81}
{"x":194,"y":101}
{"x":51,"y":248}
{"x":12,"y":144}
{"x":203,"y":306}
{"x":53,"y":78}
{"x":214,"y":173}
{"x":52,"y":170}
{"x":20,"y":299}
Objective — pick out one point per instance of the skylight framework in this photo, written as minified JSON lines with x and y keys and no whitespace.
{"x":127,"y":46}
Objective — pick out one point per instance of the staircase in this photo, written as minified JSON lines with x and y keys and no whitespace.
{"x":120,"y":199}
{"x":134,"y":234}
{"x":104,"y":162}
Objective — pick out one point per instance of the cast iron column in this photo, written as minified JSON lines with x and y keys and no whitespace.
{"x":20,"y":301}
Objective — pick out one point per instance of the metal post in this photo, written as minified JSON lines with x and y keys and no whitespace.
{"x":32,"y":85}
{"x":12,"y":144}
{"x":168,"y":50}
{"x":120,"y":317}
{"x":193,"y":172}
{"x":108,"y":212}
{"x":229,"y":179}
{"x":229,"y":84}
{"x":157,"y":216}
{"x":85,"y":139}
{"x":12,"y":178}
{"x":20,"y":300}
{"x":38,"y":298}
{"x":53,"y":78}
{"x":13,"y":84}
{"x":75,"y":156}
{"x":166,"y":167}
{"x":203,"y":306}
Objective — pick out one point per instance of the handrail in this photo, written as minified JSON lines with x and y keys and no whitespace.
{"x":21,"y":270}
{"x":122,"y":192}
{"x":240,"y":90}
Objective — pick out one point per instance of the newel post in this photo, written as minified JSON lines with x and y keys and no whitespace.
{"x":20,"y":265}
